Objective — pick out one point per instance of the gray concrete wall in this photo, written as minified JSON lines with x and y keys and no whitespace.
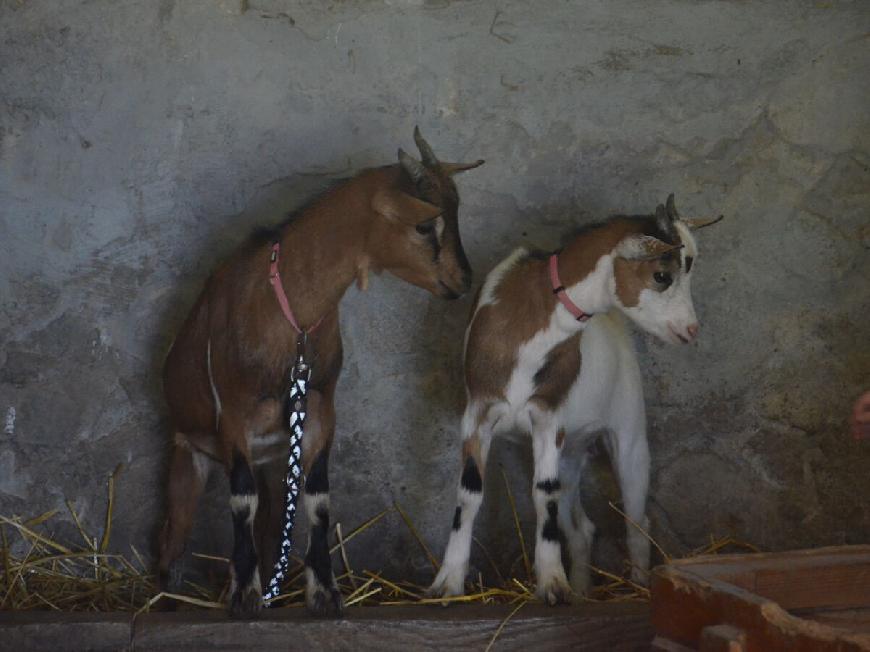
{"x":140,"y":141}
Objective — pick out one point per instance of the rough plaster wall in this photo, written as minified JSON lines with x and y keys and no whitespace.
{"x":140,"y":141}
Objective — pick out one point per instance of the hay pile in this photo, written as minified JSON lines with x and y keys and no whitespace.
{"x":67,"y":577}
{"x":51,"y":575}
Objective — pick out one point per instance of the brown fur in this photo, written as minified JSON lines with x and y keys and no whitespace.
{"x":525,"y":302}
{"x":634,"y":276}
{"x":368,"y":222}
{"x":558,"y":373}
{"x":522,"y":310}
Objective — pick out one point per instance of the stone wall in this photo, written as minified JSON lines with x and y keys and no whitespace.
{"x":141,"y":141}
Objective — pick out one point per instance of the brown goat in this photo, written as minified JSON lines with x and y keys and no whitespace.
{"x":226,"y":375}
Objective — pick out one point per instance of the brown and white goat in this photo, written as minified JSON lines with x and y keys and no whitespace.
{"x":533,"y":363}
{"x":226,"y":376}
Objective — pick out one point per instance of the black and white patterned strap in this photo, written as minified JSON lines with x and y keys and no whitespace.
{"x":299,"y":377}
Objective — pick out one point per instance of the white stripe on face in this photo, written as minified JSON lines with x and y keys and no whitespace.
{"x":690,"y":247}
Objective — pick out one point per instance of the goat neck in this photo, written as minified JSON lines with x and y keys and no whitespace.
{"x":586,"y":272}
{"x":323,"y":249}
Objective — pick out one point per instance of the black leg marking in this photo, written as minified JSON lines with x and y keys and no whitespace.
{"x":323,"y":595}
{"x":241,"y":478}
{"x":317,"y":558}
{"x":471,"y":480}
{"x":318,"y":551}
{"x":244,"y":552}
{"x":549,"y":486}
{"x":317,"y":481}
{"x":245,"y":600}
{"x":551,"y":531}
{"x":326,"y":597}
{"x":457,"y":518}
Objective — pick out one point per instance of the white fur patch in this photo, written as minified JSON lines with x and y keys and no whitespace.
{"x":312,"y":584}
{"x":665,"y":314}
{"x":268,"y":439}
{"x":456,"y":555}
{"x":494,"y":278}
{"x":690,"y":247}
{"x":530,"y":358}
{"x":546,"y":459}
{"x":451,"y":576}
{"x":313,"y":502}
{"x":214,"y":392}
{"x":255,"y":580}
{"x":469,"y":500}
{"x":593,"y":293}
{"x":238,"y":502}
{"x":548,"y":559}
{"x":201,"y":464}
{"x":269,"y":446}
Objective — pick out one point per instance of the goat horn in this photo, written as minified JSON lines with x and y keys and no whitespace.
{"x":455,"y":168}
{"x":412,"y":166}
{"x":700,"y":223}
{"x":429,"y":158}
{"x":671,"y":209}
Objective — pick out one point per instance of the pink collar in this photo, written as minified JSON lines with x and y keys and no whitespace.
{"x":559,"y":291}
{"x":275,"y":280}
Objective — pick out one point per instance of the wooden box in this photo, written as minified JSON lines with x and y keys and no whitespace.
{"x":800,"y":600}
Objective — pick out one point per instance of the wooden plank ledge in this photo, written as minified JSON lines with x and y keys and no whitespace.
{"x":813,"y":600}
{"x":607,"y":626}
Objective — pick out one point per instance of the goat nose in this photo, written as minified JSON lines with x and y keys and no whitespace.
{"x":693,"y":330}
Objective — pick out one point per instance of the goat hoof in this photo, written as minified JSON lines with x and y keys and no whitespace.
{"x":175,"y":577}
{"x":554,"y":591}
{"x":446,"y":586}
{"x":246,"y":604}
{"x":170,"y":581}
{"x":436,"y":592}
{"x":324,"y":602}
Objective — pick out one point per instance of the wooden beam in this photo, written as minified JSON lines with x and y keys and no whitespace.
{"x":756,"y":594}
{"x":588,"y":627}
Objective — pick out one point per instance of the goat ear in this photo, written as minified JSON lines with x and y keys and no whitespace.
{"x":643,"y":247}
{"x":398,"y":205}
{"x":700,"y":223}
{"x":455,"y":168}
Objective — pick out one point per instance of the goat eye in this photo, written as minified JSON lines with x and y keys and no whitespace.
{"x":663,"y":278}
{"x":425,"y":228}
